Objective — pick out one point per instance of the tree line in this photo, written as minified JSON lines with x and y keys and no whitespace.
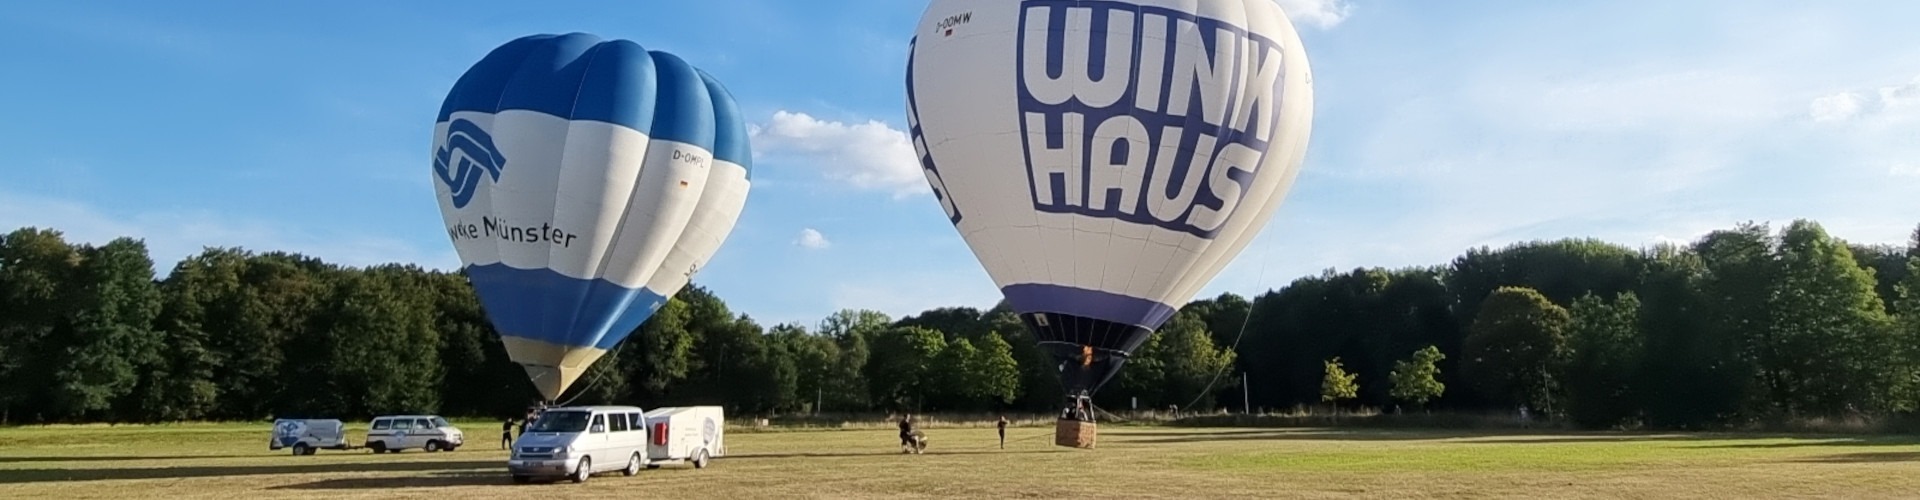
{"x":1743,"y":325}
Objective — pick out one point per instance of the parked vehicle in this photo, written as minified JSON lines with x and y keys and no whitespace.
{"x":576,"y":442}
{"x":305,"y":436}
{"x":686,"y":434}
{"x":390,"y":434}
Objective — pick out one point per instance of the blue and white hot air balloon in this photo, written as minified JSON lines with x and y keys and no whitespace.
{"x":583,"y":182}
{"x":1105,"y":159}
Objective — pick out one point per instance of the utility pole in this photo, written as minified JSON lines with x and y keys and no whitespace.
{"x":816,"y":399}
{"x":1246,"y":402}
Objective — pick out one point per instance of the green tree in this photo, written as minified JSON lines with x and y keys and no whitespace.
{"x":901,"y":372}
{"x":1338,"y":385}
{"x":272,"y":357}
{"x":1826,"y":303}
{"x":36,"y":273}
{"x":1889,"y":266}
{"x":377,"y":351}
{"x":1605,"y":344}
{"x":813,"y":360}
{"x":1415,"y":379}
{"x":1739,"y":284}
{"x":851,"y":330}
{"x":1692,"y":374}
{"x":199,"y":294}
{"x":999,"y":374}
{"x":1516,"y":344}
{"x":954,"y":378}
{"x":109,"y":332}
{"x":1907,"y":308}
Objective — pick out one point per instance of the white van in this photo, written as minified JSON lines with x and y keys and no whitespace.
{"x":307,"y":435}
{"x":393,"y":433}
{"x":576,"y":442}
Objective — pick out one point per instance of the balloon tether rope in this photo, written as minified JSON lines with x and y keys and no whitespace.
{"x":1236,"y":337}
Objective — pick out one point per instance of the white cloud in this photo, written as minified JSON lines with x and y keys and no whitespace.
{"x":1836,"y":107}
{"x":1892,"y":102}
{"x":812,"y":239}
{"x":1322,"y":13}
{"x":171,"y":236}
{"x":867,"y":155}
{"x":1904,"y":170}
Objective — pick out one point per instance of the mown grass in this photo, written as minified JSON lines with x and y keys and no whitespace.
{"x":231,"y":461}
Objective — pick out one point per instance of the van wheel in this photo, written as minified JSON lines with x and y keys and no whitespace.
{"x":432,"y":446}
{"x":700,"y":460}
{"x":302,"y":449}
{"x":378,"y":447}
{"x":633,"y":465}
{"x":581,"y":473}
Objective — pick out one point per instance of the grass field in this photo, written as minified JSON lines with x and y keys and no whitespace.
{"x":230,"y":461}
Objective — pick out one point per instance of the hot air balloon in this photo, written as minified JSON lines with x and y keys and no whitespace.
{"x":583,"y":182}
{"x":1104,"y":160}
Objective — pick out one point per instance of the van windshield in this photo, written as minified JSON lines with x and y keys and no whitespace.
{"x":441,"y":422}
{"x":561,"y":421}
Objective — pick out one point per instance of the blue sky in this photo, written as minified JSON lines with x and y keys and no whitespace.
{"x":1439,"y":126}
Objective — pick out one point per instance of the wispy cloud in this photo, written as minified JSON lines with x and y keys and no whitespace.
{"x":1320,"y":13}
{"x":811,"y":239}
{"x":867,"y":155}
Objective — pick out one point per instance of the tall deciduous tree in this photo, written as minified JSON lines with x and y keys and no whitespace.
{"x":1605,"y":344}
{"x":1515,"y":345}
{"x":1825,"y":303}
{"x":109,"y":334}
{"x":901,"y":372}
{"x":37,"y":269}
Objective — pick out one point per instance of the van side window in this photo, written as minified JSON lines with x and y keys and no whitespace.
{"x":600,"y":423}
{"x":639,"y":421}
{"x":422,"y":424}
{"x":382,"y":424}
{"x":619,"y":421}
{"x":402,"y":424}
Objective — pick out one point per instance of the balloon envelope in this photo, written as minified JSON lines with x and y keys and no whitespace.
{"x":1105,"y":160}
{"x":583,"y":182}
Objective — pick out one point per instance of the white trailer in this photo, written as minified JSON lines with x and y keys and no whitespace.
{"x":686,"y":434}
{"x":306,"y":435}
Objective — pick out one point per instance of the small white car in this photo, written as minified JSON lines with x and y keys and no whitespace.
{"x":393,"y":433}
{"x":306,"y":435}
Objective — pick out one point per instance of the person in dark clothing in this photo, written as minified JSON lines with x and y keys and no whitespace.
{"x":1002,"y":424}
{"x":906,"y":430}
{"x":506,"y":434}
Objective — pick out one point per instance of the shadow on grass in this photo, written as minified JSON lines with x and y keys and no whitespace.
{"x":1865,"y":458}
{"x":1502,"y":437}
{"x":440,"y":480}
{"x":55,"y":475}
{"x":1817,"y":442}
{"x":767,"y":456}
{"x":128,"y":458}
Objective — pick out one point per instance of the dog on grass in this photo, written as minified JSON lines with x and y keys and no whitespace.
{"x":914,"y":442}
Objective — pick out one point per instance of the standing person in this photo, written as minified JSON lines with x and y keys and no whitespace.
{"x":1002,"y":424}
{"x":506,"y":434}
{"x":906,"y":431}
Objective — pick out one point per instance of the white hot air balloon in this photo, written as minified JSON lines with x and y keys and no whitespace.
{"x":1105,"y":160}
{"x":583,"y":182}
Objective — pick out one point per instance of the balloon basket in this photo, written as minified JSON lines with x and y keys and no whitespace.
{"x":1074,"y":433}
